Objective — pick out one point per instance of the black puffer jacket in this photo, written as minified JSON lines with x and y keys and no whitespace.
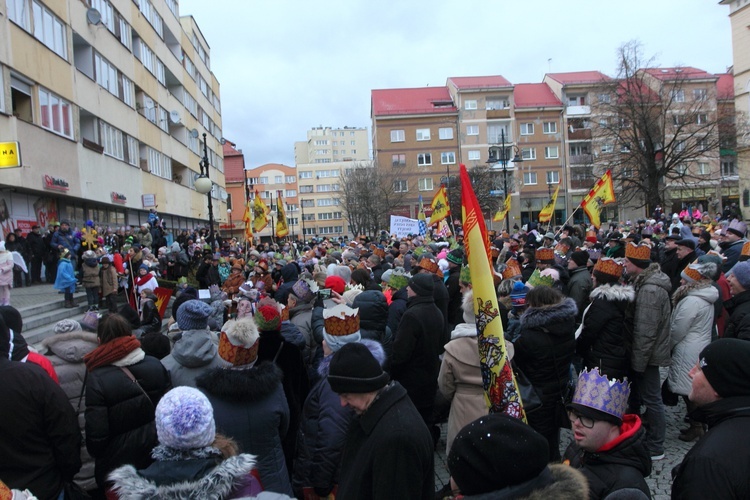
{"x":440,"y":294}
{"x":373,"y":318}
{"x":396,"y":309}
{"x":738,"y":326}
{"x":289,"y":275}
{"x":120,"y":426}
{"x":604,"y":339}
{"x":623,"y":465}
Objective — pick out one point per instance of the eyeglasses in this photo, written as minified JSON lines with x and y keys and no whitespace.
{"x":587,"y":422}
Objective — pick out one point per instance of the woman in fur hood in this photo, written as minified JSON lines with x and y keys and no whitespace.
{"x":544,"y":352}
{"x":603,"y":341}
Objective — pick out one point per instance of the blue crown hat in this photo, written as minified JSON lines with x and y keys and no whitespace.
{"x":597,"y":392}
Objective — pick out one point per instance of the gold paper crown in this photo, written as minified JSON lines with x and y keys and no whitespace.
{"x":692,"y":273}
{"x":545,"y":255}
{"x":608,"y":266}
{"x":562,"y":248}
{"x":431,"y":266}
{"x":379,"y":252}
{"x":536,"y":279}
{"x":637,"y":252}
{"x":596,"y":391}
{"x":512,"y":269}
{"x":236,"y":354}
{"x":746,"y":249}
{"x":495,"y":252}
{"x":341,"y":320}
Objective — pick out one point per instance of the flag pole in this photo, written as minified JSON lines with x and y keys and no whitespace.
{"x":568,"y":219}
{"x":273,"y":225}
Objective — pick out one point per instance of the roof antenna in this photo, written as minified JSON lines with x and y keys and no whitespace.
{"x":549,"y":65}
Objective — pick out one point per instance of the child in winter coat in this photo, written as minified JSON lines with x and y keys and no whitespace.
{"x":91,"y":280}
{"x":6,"y":274}
{"x":108,"y":279}
{"x":66,"y":278}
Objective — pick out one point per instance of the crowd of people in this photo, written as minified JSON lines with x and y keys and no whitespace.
{"x":324,"y":369}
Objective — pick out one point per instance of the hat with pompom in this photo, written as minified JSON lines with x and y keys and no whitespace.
{"x":268,"y":319}
{"x":238,"y":342}
{"x":185,"y":419}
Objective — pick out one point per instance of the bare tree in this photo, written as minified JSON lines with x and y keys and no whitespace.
{"x":486,"y":183}
{"x":653,"y":132}
{"x":367,"y":197}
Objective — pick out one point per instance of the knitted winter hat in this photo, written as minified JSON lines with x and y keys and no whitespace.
{"x":741,"y":272}
{"x":422,"y":285}
{"x":354,"y":369}
{"x":456,"y":257}
{"x":185,"y":419}
{"x":268,"y":319}
{"x":238,"y":342}
{"x":518,"y":295}
{"x":67,"y":326}
{"x":697,"y":271}
{"x":193,"y":315}
{"x":484,"y":455}
{"x":726,"y":365}
{"x":336,"y":283}
{"x":580,"y":257}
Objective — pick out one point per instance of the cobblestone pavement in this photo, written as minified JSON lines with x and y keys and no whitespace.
{"x":660,"y":480}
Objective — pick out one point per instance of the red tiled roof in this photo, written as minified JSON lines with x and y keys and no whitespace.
{"x":479,"y":82}
{"x":534,"y":95}
{"x":423,"y":100}
{"x":725,"y":86}
{"x":234,"y":163}
{"x":687,"y":73}
{"x":579,"y":77}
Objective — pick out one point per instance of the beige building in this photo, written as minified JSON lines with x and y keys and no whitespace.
{"x":269,"y":181}
{"x":321,"y":160}
{"x":108,"y":103}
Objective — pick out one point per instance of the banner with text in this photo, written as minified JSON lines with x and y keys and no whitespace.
{"x":403,"y":226}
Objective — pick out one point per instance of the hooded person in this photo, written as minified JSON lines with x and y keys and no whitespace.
{"x":289,"y":276}
{"x":195,"y":352}
{"x":19,"y":349}
{"x":65,"y":281}
{"x":324,"y":423}
{"x":485,"y":462}
{"x":249,"y":403}
{"x":373,"y":318}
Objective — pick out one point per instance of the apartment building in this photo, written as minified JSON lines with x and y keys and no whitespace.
{"x":267,"y":181}
{"x":328,"y":144}
{"x":234,"y":175}
{"x":415,"y":141}
{"x":105,"y":104}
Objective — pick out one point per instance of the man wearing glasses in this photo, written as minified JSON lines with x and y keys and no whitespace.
{"x":609,"y":446}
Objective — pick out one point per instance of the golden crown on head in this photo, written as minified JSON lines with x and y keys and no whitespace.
{"x":746,"y":249}
{"x":429,"y":265}
{"x":341,"y":320}
{"x":545,"y":254}
{"x":562,"y":248}
{"x":608,"y":266}
{"x":512,"y":269}
{"x":637,"y":252}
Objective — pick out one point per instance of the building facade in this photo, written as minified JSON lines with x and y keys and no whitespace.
{"x":106,"y":104}
{"x":234,"y":175}
{"x":269,"y":181}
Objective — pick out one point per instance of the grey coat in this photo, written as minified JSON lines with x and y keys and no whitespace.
{"x":193,"y":354}
{"x":651,"y":345}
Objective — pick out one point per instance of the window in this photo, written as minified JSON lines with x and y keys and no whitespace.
{"x":161,"y":74}
{"x":680,"y":146}
{"x":352,"y":143}
{"x":495,"y":134}
{"x":472,"y":130}
{"x":527,"y":129}
{"x":702,"y":144}
{"x":549,"y":127}
{"x":308,"y":217}
{"x":425,"y":184}
{"x":400,"y":186}
{"x":325,"y":188}
{"x":494,"y":103}
{"x":701,"y":118}
{"x":727,"y":168}
{"x":604,"y":98}
{"x":325,"y":216}
{"x":128,"y":91}
{"x":111,"y":140}
{"x":444,"y":133}
{"x":529,"y":178}
{"x":163,"y":119}
{"x":323,"y":143}
{"x":472,"y":104}
{"x":528,"y":153}
{"x":262,"y":180}
{"x":677,"y":120}
{"x":423,"y":134}
{"x":18,"y":12}
{"x":306,"y":189}
{"x":290,"y":193}
{"x":474,"y":156}
{"x":289,"y":179}
{"x":702,"y":168}
{"x":132,"y":151}
{"x":397,"y":136}
{"x":398,"y":160}
{"x":278,"y":179}
{"x":576,"y":100}
{"x":677,"y":95}
{"x":700,"y":94}
{"x":607,"y":147}
{"x":624,"y":148}
{"x":158,"y":164}
{"x":327,"y":202}
{"x":448,"y":158}
{"x":308,"y":204}
{"x":105,"y":74}
{"x":682,"y":169}
{"x":56,"y":113}
{"x":551,"y":152}
{"x":553,"y":177}
{"x":306,"y":175}
{"x":424,"y":159}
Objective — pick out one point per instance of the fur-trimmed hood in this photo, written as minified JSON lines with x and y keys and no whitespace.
{"x":567,"y":484}
{"x":703,"y":289}
{"x":375,"y":347}
{"x":614,"y":292}
{"x":72,"y":346}
{"x":534,"y":317}
{"x":220,"y":482}
{"x":250,"y":384}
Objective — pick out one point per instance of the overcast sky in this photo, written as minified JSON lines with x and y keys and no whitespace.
{"x":287,"y":66}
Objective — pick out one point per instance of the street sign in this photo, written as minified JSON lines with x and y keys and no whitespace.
{"x":10,"y":155}
{"x":496,"y":192}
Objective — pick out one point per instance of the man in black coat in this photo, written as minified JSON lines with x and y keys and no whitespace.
{"x":388,"y":452}
{"x":37,"y":250}
{"x":669,"y":259}
{"x":429,"y":267}
{"x":738,"y":307}
{"x":455,"y":314}
{"x":40,"y":441}
{"x":716,"y":467}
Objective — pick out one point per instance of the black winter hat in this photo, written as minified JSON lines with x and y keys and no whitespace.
{"x":422,"y":285}
{"x":485,"y":455}
{"x":580,"y":257}
{"x":687,"y":242}
{"x":354,"y":369}
{"x":726,"y":365}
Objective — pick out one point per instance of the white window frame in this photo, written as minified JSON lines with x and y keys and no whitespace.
{"x":496,"y":103}
{"x":529,"y":178}
{"x":444,"y":133}
{"x":527,"y":129}
{"x":604,"y":98}
{"x":423,"y":134}
{"x":290,"y":193}
{"x":49,"y":29}
{"x":133,"y":147}
{"x":703,"y":168}
{"x":47,"y":98}
{"x":426,"y":184}
{"x":528,"y":153}
{"x":290,"y":179}
{"x":470,"y":104}
{"x":398,"y":135}
{"x":549,"y":127}
{"x":701,"y":118}
{"x":422,"y":159}
{"x":305,"y":174}
{"x":608,"y":147}
{"x":401,"y":186}
{"x":475,"y":155}
{"x":700,"y":94}
{"x":678,"y":95}
{"x":553,"y":177}
{"x":447,"y":158}
{"x":472,"y":129}
{"x":551,"y":152}
{"x":111,"y":140}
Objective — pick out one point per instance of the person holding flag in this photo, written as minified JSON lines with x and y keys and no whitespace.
{"x":603,"y":193}
{"x":282,"y":226}
{"x":502,"y":214}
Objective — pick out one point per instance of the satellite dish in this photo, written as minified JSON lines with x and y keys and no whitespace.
{"x":93,"y":16}
{"x":222,"y":141}
{"x":224,"y":195}
{"x":148,"y":102}
{"x":194,"y":133}
{"x":174,"y":117}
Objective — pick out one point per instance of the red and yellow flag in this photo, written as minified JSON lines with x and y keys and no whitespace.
{"x":282,"y":226}
{"x":440,"y":207}
{"x":503,"y":212}
{"x":500,"y":389}
{"x":247,"y":218}
{"x":549,"y":209}
{"x":260,"y":210}
{"x":162,"y":299}
{"x":603,"y":193}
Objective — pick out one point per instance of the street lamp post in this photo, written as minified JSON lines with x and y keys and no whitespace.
{"x":231,"y":224}
{"x":501,"y":157}
{"x":204,"y":185}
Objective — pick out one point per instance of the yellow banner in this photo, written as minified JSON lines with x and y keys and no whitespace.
{"x":10,"y":155}
{"x":503,"y":212}
{"x":549,"y":210}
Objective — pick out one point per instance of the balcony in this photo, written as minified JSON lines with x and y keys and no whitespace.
{"x":581,"y":159}
{"x":580,"y":134}
{"x":578,"y":110}
{"x":498,"y":113}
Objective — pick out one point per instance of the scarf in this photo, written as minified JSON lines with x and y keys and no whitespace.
{"x":142,"y":280}
{"x":110,"y":352}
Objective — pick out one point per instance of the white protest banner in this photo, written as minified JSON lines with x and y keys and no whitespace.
{"x":403,"y":226}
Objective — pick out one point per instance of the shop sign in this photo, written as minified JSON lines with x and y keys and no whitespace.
{"x":119,"y":198}
{"x":55,"y":183}
{"x":10,"y":155}
{"x":148,"y":200}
